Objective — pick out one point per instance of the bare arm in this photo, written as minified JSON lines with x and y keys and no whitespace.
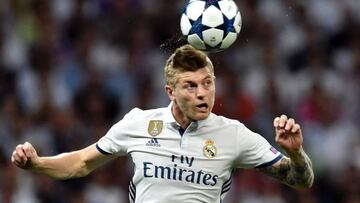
{"x":295,"y":171}
{"x":63,"y":166}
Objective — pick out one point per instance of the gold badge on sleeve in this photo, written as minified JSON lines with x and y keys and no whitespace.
{"x":209,"y":149}
{"x":155,"y":127}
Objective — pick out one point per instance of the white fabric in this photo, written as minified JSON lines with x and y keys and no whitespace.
{"x":173,"y":168}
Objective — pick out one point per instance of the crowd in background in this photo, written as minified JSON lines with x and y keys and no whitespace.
{"x":70,"y":69}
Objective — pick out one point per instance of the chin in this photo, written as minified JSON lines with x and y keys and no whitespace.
{"x":201,"y":116}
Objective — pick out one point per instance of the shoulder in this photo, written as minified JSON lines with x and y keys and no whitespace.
{"x":228,"y":123}
{"x":224,"y":121}
{"x":136,"y":118}
{"x":137,"y":114}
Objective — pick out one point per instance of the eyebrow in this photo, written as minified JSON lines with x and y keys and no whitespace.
{"x":192,"y":81}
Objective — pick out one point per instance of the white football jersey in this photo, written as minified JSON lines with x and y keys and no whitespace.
{"x":195,"y":165}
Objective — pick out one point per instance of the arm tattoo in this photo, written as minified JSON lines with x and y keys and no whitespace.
{"x":296,"y":172}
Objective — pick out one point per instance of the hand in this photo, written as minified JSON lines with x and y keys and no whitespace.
{"x":25,"y":156}
{"x":288,"y":134}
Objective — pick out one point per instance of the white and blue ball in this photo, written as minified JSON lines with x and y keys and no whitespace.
{"x":211,"y":25}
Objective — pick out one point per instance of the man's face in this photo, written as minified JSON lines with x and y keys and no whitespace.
{"x":194,"y":94}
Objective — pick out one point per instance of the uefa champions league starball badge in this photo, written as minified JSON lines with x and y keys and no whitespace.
{"x":155,"y":127}
{"x":209,"y":149}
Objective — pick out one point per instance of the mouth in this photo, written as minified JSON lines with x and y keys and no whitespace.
{"x":203,"y":107}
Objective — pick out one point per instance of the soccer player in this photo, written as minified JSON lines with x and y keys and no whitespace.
{"x":183,"y":152}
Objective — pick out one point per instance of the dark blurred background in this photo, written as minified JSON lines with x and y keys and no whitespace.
{"x":69,"y":69}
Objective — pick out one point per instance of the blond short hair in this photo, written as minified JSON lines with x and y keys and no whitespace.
{"x":186,"y":58}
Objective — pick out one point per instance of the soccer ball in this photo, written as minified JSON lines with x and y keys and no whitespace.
{"x":211,"y":25}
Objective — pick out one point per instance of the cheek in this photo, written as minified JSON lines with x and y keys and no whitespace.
{"x":184,"y":101}
{"x":212,"y":97}
{"x":212,"y":93}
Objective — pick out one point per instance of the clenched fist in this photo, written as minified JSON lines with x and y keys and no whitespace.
{"x":288,"y":134}
{"x":25,"y":156}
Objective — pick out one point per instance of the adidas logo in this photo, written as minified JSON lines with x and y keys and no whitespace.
{"x":153,"y":142}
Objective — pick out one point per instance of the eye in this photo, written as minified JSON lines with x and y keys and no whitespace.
{"x":189,"y":86}
{"x":208,"y":83}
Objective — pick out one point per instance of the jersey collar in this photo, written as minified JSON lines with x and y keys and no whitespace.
{"x":168,"y":116}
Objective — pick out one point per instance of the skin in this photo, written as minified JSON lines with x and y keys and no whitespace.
{"x":63,"y":166}
{"x":295,"y":171}
{"x":194,"y":88}
{"x":193,"y":98}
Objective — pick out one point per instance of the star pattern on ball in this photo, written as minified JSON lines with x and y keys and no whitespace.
{"x":197,"y":27}
{"x":212,"y":3}
{"x":228,"y":25}
{"x":209,"y":25}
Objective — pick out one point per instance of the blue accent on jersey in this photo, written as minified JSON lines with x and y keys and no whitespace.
{"x":227,"y":184}
{"x":132,"y":191}
{"x":225,"y":189}
{"x":153,"y":142}
{"x":181,"y":131}
{"x":102,"y":151}
{"x":151,"y":170}
{"x":270,"y":163}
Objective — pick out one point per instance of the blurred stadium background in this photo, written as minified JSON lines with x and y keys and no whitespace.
{"x":69,"y":69}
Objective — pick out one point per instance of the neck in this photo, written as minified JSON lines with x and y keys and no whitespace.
{"x":179,"y":116}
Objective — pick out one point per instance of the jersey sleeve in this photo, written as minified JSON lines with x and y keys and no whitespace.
{"x":115,"y":141}
{"x":254,"y":151}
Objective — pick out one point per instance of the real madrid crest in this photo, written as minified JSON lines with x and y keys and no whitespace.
{"x":155,"y":127}
{"x":209,"y":149}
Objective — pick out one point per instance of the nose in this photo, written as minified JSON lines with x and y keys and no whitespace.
{"x":201,"y":92}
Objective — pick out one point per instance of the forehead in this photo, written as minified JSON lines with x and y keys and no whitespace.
{"x":199,"y":74}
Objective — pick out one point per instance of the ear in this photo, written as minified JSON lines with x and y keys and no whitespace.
{"x":170,"y":92}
